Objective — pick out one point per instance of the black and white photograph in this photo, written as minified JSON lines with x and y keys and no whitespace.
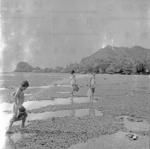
{"x":74,"y":74}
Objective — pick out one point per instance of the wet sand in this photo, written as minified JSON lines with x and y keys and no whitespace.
{"x":66,"y":131}
{"x":83,"y":132}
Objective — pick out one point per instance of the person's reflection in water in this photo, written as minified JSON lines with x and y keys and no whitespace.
{"x":91,"y":111}
{"x":72,"y":113}
{"x":9,"y":143}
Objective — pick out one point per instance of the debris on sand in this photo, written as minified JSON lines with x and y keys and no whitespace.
{"x":132,"y":137}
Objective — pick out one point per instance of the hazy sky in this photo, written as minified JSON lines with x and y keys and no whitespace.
{"x":51,"y":33}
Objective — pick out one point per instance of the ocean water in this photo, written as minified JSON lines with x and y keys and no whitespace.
{"x":38,"y":81}
{"x":107,"y":85}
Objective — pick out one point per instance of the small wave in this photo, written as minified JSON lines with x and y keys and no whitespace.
{"x":28,"y":94}
{"x":33,"y":87}
{"x":61,"y":85}
{"x":64,"y":92}
{"x":3,"y":88}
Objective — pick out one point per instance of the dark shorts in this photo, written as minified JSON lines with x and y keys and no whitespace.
{"x":93,"y":90}
{"x":21,"y":116}
{"x":75,"y":87}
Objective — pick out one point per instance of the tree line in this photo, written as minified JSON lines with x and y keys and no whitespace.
{"x":109,"y":66}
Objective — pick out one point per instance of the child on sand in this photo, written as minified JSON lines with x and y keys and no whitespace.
{"x":19,"y":112}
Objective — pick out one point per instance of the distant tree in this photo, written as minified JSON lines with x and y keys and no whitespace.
{"x":58,"y":69}
{"x":23,"y":67}
{"x":140,"y":67}
{"x":37,"y":69}
{"x":47,"y":70}
{"x":127,"y":66}
{"x":147,"y":65}
{"x":72,"y":66}
{"x":114,"y":68}
{"x":101,"y":64}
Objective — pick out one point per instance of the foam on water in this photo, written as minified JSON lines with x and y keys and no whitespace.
{"x":64,"y":92}
{"x":42,"y":87}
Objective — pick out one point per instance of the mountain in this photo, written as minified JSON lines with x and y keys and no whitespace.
{"x":118,"y":59}
{"x":109,"y":59}
{"x":110,"y":53}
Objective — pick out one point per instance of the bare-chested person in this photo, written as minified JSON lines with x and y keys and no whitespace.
{"x":19,"y":112}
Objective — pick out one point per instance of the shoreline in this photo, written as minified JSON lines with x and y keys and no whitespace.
{"x":76,"y":73}
{"x":63,"y":132}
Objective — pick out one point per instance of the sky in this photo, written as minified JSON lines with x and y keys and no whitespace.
{"x":50,"y":33}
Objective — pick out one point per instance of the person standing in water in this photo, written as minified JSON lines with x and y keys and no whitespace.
{"x":19,"y":112}
{"x":73,"y":83}
{"x":92,"y":85}
{"x":75,"y":88}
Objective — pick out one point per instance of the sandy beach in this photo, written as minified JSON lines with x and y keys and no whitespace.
{"x":118,"y":108}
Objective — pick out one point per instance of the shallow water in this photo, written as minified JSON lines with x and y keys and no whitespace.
{"x":135,"y":124}
{"x":63,"y":113}
{"x":76,"y":113}
{"x":57,"y":101}
{"x":31,"y":87}
{"x":29,"y":105}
